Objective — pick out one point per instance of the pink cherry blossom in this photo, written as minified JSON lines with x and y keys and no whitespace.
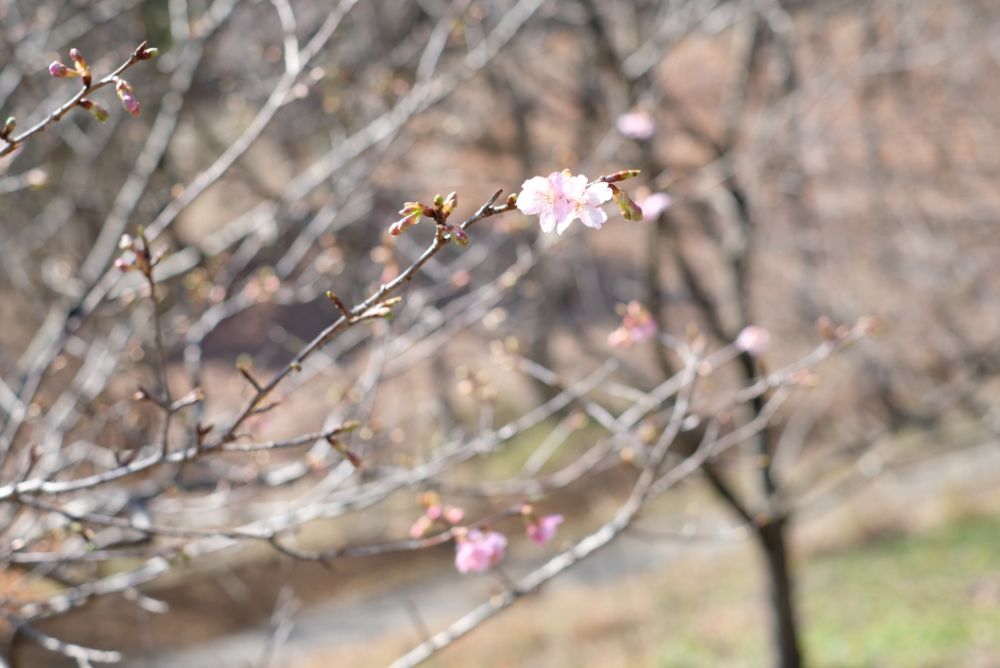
{"x":560,"y":198}
{"x":453,"y":514}
{"x":654,"y":204}
{"x":636,"y":125}
{"x":637,"y":326}
{"x":479,"y":551}
{"x":753,"y":340}
{"x":544,"y":528}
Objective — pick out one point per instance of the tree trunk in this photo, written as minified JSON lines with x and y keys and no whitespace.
{"x":784,"y":631}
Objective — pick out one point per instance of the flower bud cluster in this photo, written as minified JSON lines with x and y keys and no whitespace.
{"x":435,"y":514}
{"x":413,"y":212}
{"x":123,"y":88}
{"x":136,"y":255}
{"x":637,"y":326}
{"x":80,"y":68}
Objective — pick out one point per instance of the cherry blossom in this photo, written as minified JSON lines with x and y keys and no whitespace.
{"x":479,"y":551}
{"x":453,"y":514}
{"x":637,"y":326}
{"x":753,"y":340}
{"x":544,"y":528}
{"x":560,"y":198}
{"x":636,"y":125}
{"x":654,"y":204}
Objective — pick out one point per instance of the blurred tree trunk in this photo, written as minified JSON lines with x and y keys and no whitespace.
{"x":772,"y":539}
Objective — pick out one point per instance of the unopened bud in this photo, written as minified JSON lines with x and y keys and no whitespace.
{"x":96,"y":110}
{"x":8,"y":127}
{"x":511,"y":200}
{"x":82,"y":68}
{"x":345,"y":452}
{"x":60,"y":71}
{"x":410,"y":208}
{"x":438,"y":201}
{"x":150,"y":53}
{"x":630,"y":210}
{"x":404,"y":223}
{"x":450,"y":202}
{"x":130,"y":103}
{"x":623,"y":175}
{"x":460,"y":237}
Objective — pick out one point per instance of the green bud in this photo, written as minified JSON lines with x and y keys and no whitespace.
{"x":630,"y":210}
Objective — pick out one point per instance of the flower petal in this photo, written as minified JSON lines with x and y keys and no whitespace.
{"x":593,"y":216}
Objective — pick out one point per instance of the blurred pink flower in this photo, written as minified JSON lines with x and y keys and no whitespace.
{"x":637,"y":326}
{"x":421,"y":526}
{"x":434,"y":512}
{"x":544,"y":528}
{"x":479,"y":551}
{"x":654,"y":204}
{"x":753,"y":340}
{"x":636,"y":125}
{"x":560,"y":198}
{"x":453,"y":514}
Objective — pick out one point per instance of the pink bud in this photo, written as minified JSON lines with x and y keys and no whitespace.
{"x":60,"y":71}
{"x":544,"y":528}
{"x":410,"y":218}
{"x":434,"y":512}
{"x":82,"y":68}
{"x":130,"y":103}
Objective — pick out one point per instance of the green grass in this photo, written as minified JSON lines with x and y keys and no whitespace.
{"x":904,"y":602}
{"x":927,"y":600}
